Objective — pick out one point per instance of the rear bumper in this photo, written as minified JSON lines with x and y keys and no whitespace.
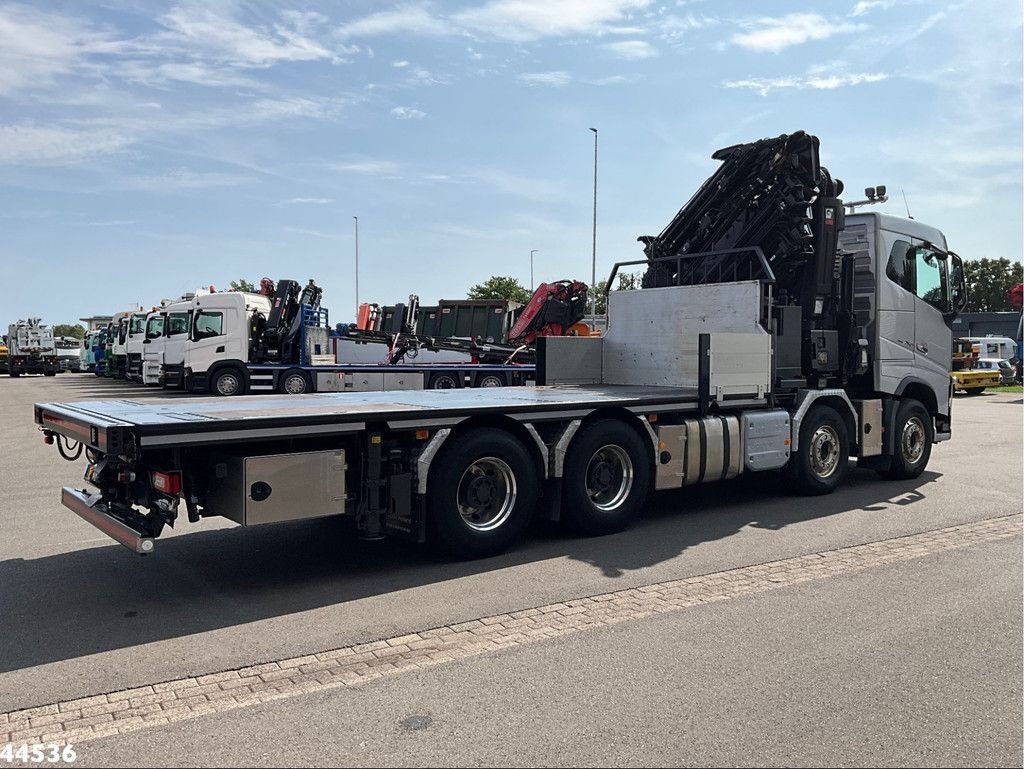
{"x":89,"y":507}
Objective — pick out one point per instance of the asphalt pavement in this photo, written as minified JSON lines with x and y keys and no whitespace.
{"x":915,"y":663}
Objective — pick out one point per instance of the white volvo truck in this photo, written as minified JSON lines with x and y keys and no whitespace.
{"x":767,"y":339}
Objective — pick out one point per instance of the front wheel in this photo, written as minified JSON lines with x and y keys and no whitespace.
{"x":912,"y":436}
{"x":482,"y":493}
{"x":227,"y":382}
{"x":819,"y":464}
{"x":607,"y":477}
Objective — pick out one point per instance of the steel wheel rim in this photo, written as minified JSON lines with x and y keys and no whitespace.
{"x":444,"y":383}
{"x":227,"y":384}
{"x":609,"y":477}
{"x":490,"y":381}
{"x":912,"y":440}
{"x":295,"y":385}
{"x":486,"y":494}
{"x":824,"y":451}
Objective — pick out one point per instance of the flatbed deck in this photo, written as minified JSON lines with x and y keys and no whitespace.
{"x":106,"y":425}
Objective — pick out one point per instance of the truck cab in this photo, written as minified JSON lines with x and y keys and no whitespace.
{"x":908,"y":289}
{"x":133,"y":345}
{"x":69,"y":353}
{"x":166,"y":331}
{"x":117,"y":355}
{"x":219,"y":340}
{"x":88,"y":354}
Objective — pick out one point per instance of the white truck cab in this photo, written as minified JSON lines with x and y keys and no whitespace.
{"x":166,"y":332}
{"x":133,"y":345}
{"x":118,"y":354}
{"x":218,"y":342}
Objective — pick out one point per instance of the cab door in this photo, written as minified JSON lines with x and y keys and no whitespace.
{"x":933,"y":336}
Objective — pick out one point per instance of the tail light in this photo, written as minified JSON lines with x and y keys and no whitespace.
{"x":168,"y":483}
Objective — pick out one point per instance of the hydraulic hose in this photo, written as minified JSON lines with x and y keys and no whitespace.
{"x":66,"y":450}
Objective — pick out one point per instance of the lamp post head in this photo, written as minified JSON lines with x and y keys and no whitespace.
{"x":594,"y":130}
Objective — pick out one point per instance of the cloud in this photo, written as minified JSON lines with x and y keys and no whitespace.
{"x":201,"y":31}
{"x":304,"y":201}
{"x":399,"y":64}
{"x":405,"y":19}
{"x":773,"y":34}
{"x":368,"y":167}
{"x":555,"y":79}
{"x":524,"y":20}
{"x":866,"y":6}
{"x":819,"y":81}
{"x":27,"y":143}
{"x":184,"y":179}
{"x":35,"y":47}
{"x":408,"y":113}
{"x":632,"y":49}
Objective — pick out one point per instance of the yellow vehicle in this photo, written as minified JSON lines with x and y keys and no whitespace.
{"x":966,"y":377}
{"x":4,"y":354}
{"x":974,"y":381}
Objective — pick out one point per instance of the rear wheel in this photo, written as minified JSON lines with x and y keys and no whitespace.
{"x":443,"y":381}
{"x":820,"y":463}
{"x":295,"y":382}
{"x":227,"y":382}
{"x":491,"y":380}
{"x":913,"y":436}
{"x":482,"y":493}
{"x":607,"y":477}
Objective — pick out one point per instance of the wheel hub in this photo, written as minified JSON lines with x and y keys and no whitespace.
{"x":912,"y":442}
{"x":486,"y":495}
{"x":824,"y":451}
{"x":609,"y":477}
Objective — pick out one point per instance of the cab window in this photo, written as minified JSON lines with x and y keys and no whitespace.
{"x":929,"y":277}
{"x":208,"y":324}
{"x":177,"y":323}
{"x":154,"y":327}
{"x":898,"y":270}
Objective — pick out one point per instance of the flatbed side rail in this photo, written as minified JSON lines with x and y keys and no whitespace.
{"x":726,"y":265}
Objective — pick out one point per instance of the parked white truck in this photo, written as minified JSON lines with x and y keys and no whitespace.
{"x":166,"y":335}
{"x":767,"y":337}
{"x":31,"y":349}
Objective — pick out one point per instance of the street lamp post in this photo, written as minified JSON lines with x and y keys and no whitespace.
{"x":532,"y":252}
{"x":593,"y":263}
{"x":357,"y":265}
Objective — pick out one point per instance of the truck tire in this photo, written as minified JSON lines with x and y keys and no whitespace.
{"x":820,"y":463}
{"x":491,"y":380}
{"x":227,"y":381}
{"x":444,"y":381}
{"x":482,"y":494}
{"x":295,"y":382}
{"x":606,"y":479}
{"x":913,"y":436}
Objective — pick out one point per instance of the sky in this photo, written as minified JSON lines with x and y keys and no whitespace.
{"x":147,"y":148}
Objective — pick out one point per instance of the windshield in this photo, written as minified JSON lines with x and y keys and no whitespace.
{"x":138,"y":324}
{"x":154,"y":327}
{"x":177,"y":323}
